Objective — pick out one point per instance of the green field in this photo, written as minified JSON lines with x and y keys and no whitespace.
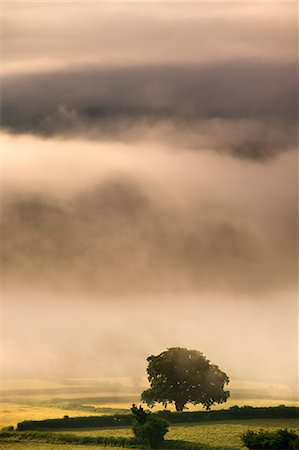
{"x":36,"y":446}
{"x":216,"y":434}
{"x":219,"y":435}
{"x":226,"y":434}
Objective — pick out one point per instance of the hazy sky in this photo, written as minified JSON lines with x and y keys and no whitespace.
{"x":149,"y":188}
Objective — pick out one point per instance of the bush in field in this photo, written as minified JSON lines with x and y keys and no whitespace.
{"x":148,"y":429}
{"x":295,"y":443}
{"x":280,"y":439}
{"x":8,"y":428}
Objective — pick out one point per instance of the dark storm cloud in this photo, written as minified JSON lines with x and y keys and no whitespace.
{"x":115,"y":239}
{"x":181,"y":101}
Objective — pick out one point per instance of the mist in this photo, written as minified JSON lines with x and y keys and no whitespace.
{"x":112,"y":245}
{"x":79,"y":338}
{"x":164,"y":229}
{"x":149,"y":189}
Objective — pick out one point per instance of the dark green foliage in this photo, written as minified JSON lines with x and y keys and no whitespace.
{"x":295,"y":443}
{"x":8,"y":428}
{"x":233,"y":413}
{"x":121,"y":420}
{"x":139,"y":414}
{"x":125,"y":420}
{"x":280,"y":439}
{"x":148,"y":429}
{"x":152,"y":432}
{"x":181,"y":376}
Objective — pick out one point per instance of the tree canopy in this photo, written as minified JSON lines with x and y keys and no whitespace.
{"x":182,"y":376}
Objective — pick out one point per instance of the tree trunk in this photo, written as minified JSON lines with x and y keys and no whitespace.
{"x":179,"y":405}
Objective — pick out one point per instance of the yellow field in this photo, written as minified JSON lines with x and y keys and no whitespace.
{"x":35,"y":399}
{"x":12,"y":412}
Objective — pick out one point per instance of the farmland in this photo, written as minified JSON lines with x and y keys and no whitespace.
{"x":215,"y":434}
{"x":31,"y":408}
{"x":220,"y":435}
{"x":40,"y":446}
{"x":37,"y":446}
{"x":224,"y":434}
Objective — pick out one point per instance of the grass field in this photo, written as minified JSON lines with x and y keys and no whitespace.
{"x":215,"y":433}
{"x":16,"y":411}
{"x":36,"y":446}
{"x":224,"y":434}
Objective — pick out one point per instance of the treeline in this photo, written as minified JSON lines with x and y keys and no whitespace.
{"x":125,"y":420}
{"x":233,"y":413}
{"x":117,"y":420}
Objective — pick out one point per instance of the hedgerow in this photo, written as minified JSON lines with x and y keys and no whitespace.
{"x":126,"y":420}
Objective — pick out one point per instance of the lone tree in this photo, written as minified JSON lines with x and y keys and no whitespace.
{"x":181,"y":376}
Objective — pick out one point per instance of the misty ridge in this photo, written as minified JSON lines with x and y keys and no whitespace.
{"x":115,"y":238}
{"x":244,"y":108}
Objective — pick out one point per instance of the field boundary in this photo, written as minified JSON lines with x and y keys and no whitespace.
{"x":125,"y":420}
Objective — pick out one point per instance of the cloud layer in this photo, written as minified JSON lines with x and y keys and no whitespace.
{"x":160,"y":231}
{"x":247,"y":109}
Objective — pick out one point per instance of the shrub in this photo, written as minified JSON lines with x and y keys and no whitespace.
{"x":8,"y":428}
{"x":282,"y":439}
{"x":148,"y":429}
{"x":295,"y":443}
